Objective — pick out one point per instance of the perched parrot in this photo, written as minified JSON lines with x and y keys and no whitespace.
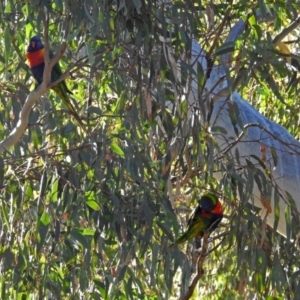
{"x":35,"y":60}
{"x":207,"y":215}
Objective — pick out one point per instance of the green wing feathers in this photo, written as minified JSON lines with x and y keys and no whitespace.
{"x":195,"y":229}
{"x":62,"y":91}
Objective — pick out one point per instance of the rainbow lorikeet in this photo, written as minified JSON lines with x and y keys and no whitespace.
{"x":207,"y":215}
{"x":35,"y":60}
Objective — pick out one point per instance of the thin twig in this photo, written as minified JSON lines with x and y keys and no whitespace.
{"x":220,"y":30}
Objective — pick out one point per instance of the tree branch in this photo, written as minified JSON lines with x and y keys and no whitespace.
{"x":21,"y":126}
{"x":200,"y":271}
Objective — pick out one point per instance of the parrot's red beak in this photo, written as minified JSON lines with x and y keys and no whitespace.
{"x":32,"y":44}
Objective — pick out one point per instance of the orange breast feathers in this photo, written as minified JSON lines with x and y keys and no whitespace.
{"x":218,"y":208}
{"x":35,"y":58}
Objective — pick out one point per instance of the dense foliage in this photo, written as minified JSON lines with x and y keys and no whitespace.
{"x":91,"y":214}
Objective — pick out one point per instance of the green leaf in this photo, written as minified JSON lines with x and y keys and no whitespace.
{"x":45,"y":218}
{"x":7,"y":42}
{"x":1,"y":171}
{"x":200,"y":72}
{"x":252,"y":20}
{"x":43,"y":185}
{"x":219,"y":129}
{"x":94,"y":110}
{"x":7,"y":7}
{"x":277,"y":209}
{"x":116,"y":149}
{"x":77,"y":239}
{"x":225,"y":48}
{"x":138,"y":5}
{"x":86,"y":231}
{"x":42,"y":230}
{"x":90,"y":53}
{"x":274,"y":156}
{"x":93,"y":205}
